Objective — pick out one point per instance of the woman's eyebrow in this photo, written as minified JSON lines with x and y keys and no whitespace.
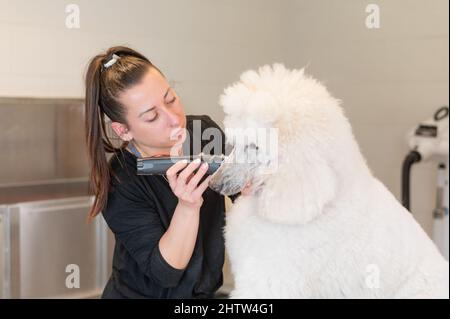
{"x":148,"y":110}
{"x":151,"y":109}
{"x":167,"y":92}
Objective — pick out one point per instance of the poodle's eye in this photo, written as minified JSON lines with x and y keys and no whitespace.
{"x":252,"y":145}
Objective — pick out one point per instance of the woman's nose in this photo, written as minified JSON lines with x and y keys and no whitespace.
{"x":173,"y":118}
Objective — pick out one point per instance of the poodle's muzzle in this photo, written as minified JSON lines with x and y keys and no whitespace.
{"x":232,"y":175}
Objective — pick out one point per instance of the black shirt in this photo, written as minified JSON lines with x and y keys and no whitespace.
{"x":139,"y":210}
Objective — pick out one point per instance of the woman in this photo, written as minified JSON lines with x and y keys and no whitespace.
{"x":168,"y":229}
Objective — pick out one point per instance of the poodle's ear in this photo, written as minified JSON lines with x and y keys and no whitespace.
{"x":300,"y":188}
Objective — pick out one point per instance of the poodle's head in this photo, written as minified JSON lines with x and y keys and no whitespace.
{"x":286,"y":131}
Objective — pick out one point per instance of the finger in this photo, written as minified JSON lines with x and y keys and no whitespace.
{"x":172,"y":171}
{"x":202,"y":187}
{"x":190,"y":177}
{"x":188,"y":171}
{"x":183,"y":178}
{"x":178,"y":166}
{"x":197,"y":177}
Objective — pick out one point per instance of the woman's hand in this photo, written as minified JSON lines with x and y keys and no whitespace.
{"x":186,"y":185}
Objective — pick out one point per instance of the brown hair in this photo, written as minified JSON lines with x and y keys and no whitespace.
{"x":103,"y":87}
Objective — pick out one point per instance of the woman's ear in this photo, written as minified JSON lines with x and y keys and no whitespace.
{"x":298,"y":190}
{"x":122,"y":131}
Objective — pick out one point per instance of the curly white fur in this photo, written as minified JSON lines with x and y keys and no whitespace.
{"x":322,"y":226}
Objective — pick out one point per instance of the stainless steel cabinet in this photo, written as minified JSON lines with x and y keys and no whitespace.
{"x":39,"y":240}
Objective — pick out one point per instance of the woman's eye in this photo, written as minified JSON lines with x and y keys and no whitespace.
{"x":153,"y":119}
{"x":172,"y":100}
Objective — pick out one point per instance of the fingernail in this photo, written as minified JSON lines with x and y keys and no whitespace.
{"x":205,"y":165}
{"x":197,"y":160}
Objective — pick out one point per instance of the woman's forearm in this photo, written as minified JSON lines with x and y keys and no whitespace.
{"x":178,"y":242}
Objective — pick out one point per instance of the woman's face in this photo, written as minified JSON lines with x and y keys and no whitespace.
{"x":155,"y":116}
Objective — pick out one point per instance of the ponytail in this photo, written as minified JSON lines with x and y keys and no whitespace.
{"x":103,"y":86}
{"x":94,"y":123}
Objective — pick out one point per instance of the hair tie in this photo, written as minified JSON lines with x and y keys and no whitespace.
{"x":113,"y":60}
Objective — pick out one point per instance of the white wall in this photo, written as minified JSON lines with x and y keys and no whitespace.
{"x":388,"y":78}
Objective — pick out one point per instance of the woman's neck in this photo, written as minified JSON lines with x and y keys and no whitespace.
{"x":176,"y":150}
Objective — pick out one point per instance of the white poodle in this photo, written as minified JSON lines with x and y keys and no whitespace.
{"x":319,"y":224}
